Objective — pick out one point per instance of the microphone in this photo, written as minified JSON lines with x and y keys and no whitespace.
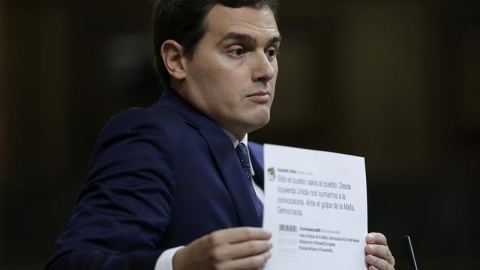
{"x":411,"y":254}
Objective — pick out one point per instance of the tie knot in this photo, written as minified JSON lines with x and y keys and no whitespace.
{"x":242,"y":153}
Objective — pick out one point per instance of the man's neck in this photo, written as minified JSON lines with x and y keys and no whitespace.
{"x":177,"y":87}
{"x":235,"y":140}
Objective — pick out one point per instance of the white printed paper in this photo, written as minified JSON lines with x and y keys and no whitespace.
{"x":316,"y":208}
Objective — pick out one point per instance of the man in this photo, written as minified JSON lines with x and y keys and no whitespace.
{"x":166,"y":189}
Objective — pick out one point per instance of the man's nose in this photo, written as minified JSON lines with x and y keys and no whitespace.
{"x":263,"y":70}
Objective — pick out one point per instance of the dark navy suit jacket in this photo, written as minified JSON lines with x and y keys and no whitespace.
{"x":159,"y":178}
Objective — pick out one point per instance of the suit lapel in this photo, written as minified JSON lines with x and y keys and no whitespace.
{"x":256,"y":156}
{"x":224,"y":154}
{"x":230,"y":168}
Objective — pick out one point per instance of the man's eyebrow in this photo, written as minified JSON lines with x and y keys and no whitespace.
{"x":247,"y":38}
{"x":239,"y":37}
{"x":275,"y":39}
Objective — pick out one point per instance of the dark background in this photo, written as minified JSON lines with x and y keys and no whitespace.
{"x":397,"y":82}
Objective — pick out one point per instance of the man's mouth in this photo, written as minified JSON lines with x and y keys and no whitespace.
{"x":260,"y":96}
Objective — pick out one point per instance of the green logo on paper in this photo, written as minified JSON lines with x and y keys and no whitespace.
{"x":271,"y":173}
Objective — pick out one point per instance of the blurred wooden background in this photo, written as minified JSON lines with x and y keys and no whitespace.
{"x":397,"y":82}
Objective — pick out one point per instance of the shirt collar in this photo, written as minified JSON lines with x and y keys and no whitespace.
{"x":234,"y":140}
{"x":235,"y":143}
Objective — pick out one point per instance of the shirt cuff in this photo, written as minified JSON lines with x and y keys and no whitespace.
{"x":165,"y":261}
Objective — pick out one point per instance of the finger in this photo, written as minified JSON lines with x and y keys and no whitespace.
{"x":379,"y":263}
{"x":240,"y":234}
{"x":245,"y":249}
{"x":376,"y":238}
{"x":247,"y":263}
{"x":382,"y":252}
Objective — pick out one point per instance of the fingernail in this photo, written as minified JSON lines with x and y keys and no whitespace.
{"x":370,"y":238}
{"x":371,"y":248}
{"x":268,"y":255}
{"x":371,"y":259}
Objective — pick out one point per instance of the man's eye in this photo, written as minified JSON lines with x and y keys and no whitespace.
{"x":272,"y":53}
{"x":237,"y":52}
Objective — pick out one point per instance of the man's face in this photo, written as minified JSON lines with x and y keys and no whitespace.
{"x":231,"y":77}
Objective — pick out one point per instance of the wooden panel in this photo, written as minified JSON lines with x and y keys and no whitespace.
{"x":2,"y":94}
{"x":2,"y":116}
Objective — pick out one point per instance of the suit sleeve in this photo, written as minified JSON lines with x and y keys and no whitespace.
{"x":124,"y":206}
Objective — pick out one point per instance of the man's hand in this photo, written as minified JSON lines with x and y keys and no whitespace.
{"x":237,"y":248}
{"x":378,"y":256}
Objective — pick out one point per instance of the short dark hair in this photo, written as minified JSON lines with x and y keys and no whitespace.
{"x":183,"y":21}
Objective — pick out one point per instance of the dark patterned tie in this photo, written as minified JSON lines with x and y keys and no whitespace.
{"x":242,"y":153}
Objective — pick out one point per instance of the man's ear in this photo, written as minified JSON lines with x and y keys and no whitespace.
{"x":172,"y":54}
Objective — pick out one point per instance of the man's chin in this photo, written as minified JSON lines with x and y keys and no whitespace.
{"x":259,"y":123}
